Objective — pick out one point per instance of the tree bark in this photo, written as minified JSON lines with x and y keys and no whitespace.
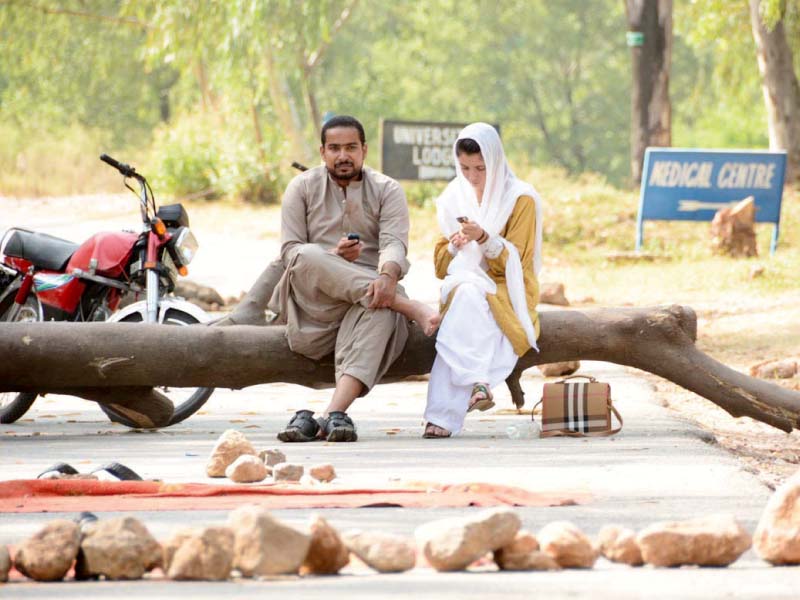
{"x":781,"y":90}
{"x":55,"y":357}
{"x":651,"y":112}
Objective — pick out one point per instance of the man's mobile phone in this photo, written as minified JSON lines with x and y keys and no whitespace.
{"x":353,"y":236}
{"x":462,"y":219}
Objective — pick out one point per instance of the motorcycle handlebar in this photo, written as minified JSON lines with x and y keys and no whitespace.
{"x":126,"y":170}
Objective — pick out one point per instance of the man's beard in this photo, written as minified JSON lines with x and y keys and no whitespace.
{"x":353,"y":173}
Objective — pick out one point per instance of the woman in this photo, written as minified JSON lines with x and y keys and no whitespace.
{"x":489,"y":257}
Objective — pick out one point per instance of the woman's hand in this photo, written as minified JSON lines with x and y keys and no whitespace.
{"x":458,"y":240}
{"x":471,"y":231}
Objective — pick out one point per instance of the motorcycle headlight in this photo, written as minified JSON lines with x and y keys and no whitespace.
{"x":186,"y":245}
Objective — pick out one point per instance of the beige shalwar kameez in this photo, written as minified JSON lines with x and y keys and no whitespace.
{"x":322,"y":297}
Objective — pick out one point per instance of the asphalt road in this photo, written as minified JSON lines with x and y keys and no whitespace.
{"x":658,"y":468}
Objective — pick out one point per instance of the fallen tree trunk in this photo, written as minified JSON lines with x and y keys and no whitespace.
{"x":84,"y":359}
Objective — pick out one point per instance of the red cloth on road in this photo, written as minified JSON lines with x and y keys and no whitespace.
{"x":74,"y":495}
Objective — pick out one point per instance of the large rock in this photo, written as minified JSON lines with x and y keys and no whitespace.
{"x":384,"y":552}
{"x":618,"y":544}
{"x":453,"y":544}
{"x":203,"y":296}
{"x":201,"y":555}
{"x":264,"y":545}
{"x":559,"y":369}
{"x":523,"y":554}
{"x":777,"y":536}
{"x":120,"y":548}
{"x":567,"y":545}
{"x":5,"y":563}
{"x":327,"y":554}
{"x":48,"y":555}
{"x":247,"y":469}
{"x":715,"y":541}
{"x":775,"y":369}
{"x":230,"y":446}
{"x":553,"y":293}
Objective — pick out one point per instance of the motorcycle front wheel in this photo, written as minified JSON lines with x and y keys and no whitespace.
{"x":15,"y":404}
{"x":186,"y":401}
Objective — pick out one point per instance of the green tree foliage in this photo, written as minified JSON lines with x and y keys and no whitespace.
{"x":65,"y":65}
{"x":726,"y":106}
{"x":226,"y":93}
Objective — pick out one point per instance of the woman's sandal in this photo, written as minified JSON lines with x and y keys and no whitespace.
{"x":484,"y":403}
{"x":431,"y":433}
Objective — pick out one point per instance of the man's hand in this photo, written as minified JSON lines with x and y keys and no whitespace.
{"x":349,"y":250}
{"x":382,"y":290}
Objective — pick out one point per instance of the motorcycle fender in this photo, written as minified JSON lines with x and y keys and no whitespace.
{"x":163,"y":306}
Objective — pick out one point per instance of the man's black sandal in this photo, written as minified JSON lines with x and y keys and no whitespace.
{"x":338,"y":427}
{"x":115,"y":470}
{"x":302,"y":427}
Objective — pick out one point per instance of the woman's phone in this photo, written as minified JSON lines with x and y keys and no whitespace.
{"x":462,"y":219}
{"x":353,"y":236}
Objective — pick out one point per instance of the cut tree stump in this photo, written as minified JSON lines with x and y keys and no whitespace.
{"x":92,"y":359}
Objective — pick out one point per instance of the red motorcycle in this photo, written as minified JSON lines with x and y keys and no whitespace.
{"x":45,"y":278}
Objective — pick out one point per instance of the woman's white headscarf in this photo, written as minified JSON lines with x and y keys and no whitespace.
{"x":500,"y":196}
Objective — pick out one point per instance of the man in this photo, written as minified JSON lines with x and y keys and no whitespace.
{"x":344,"y":238}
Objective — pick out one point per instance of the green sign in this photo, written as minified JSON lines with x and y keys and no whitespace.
{"x":634,"y":38}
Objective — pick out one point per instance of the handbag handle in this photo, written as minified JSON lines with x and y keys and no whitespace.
{"x":589,"y":377}
{"x":561,"y":432}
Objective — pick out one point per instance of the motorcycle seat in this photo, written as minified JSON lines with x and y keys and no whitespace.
{"x":43,"y":250}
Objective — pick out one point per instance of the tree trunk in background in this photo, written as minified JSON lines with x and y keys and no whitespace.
{"x":781,"y":90}
{"x":651,"y":113}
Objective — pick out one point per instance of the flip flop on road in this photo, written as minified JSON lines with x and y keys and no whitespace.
{"x":112,"y":471}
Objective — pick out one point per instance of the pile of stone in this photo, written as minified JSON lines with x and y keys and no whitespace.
{"x":234,"y":456}
{"x":254,"y":543}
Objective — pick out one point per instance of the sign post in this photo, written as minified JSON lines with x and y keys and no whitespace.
{"x":419,"y":150}
{"x":692,"y":185}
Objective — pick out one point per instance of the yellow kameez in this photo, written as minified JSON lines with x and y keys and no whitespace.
{"x":520,"y":231}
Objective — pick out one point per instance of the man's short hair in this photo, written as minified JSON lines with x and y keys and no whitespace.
{"x":343,"y":121}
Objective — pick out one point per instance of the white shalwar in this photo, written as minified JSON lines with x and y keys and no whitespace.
{"x":470,"y":347}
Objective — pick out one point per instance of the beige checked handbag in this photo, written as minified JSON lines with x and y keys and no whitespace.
{"x":577,"y":408}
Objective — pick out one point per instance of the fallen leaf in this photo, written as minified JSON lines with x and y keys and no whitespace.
{"x":237,"y":421}
{"x":252,"y":427}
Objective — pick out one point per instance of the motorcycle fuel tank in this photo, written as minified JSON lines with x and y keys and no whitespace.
{"x":111,"y":250}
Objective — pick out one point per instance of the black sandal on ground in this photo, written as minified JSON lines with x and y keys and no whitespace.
{"x":115,"y":470}
{"x":302,"y":427}
{"x":52,"y":472}
{"x":338,"y":427}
